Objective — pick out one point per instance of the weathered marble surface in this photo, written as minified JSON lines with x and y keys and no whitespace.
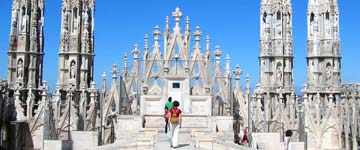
{"x":224,"y":123}
{"x":127,"y":122}
{"x":267,"y":140}
{"x":84,"y":139}
{"x":53,"y":144}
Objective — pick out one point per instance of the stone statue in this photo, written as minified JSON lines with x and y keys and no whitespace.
{"x":72,"y":70}
{"x":327,"y":27}
{"x":311,"y":29}
{"x":288,"y":20}
{"x":66,"y":17}
{"x":86,"y":17}
{"x":30,"y":103}
{"x":328,"y":74}
{"x":278,"y":27}
{"x":279,"y":75}
{"x":23,"y":20}
{"x":267,"y":22}
{"x":14,"y":20}
{"x":315,"y":27}
{"x":20,"y":69}
{"x":336,"y":34}
{"x":288,"y":34}
{"x":75,"y":25}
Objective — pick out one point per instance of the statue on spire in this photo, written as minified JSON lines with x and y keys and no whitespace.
{"x":177,"y":14}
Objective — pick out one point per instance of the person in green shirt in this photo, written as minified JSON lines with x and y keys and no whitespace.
{"x":168,"y":105}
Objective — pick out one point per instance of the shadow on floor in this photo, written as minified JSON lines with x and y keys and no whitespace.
{"x":182,"y":145}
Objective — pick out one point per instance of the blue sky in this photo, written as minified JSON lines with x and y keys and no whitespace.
{"x":232,"y":24}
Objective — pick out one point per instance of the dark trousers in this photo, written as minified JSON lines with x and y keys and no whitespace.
{"x":166,"y":124}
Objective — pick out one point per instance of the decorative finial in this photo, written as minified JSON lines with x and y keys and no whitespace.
{"x":44,"y":87}
{"x":136,"y":51}
{"x":187,"y":24}
{"x":208,"y":43}
{"x":237,"y":72}
{"x":125,"y":56}
{"x":58,"y":85}
{"x":156,"y":31}
{"x":104,"y":76}
{"x":125,"y":64}
{"x":167,"y":23}
{"x":217,"y":52}
{"x":227,"y":68}
{"x":227,"y":58}
{"x":93,"y":90}
{"x":104,"y":82}
{"x":114,"y":71}
{"x":197,"y":32}
{"x":93,"y":85}
{"x":156,"y":34}
{"x":247,"y":84}
{"x":177,"y":14}
{"x":197,"y":35}
{"x":146,"y":40}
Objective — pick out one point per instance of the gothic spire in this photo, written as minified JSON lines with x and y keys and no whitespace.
{"x":276,"y":45}
{"x":76,"y":51}
{"x":26,"y":35}
{"x":324,"y":57}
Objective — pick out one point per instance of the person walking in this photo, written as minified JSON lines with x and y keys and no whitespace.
{"x":243,"y":136}
{"x":288,"y":134}
{"x":175,"y":123}
{"x":168,"y":105}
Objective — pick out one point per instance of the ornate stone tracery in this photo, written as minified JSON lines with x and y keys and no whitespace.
{"x":327,"y":112}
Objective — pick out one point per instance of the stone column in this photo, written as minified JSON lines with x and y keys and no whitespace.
{"x":354,"y":125}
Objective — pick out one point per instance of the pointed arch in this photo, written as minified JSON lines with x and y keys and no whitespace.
{"x":289,"y":17}
{"x":72,"y":69}
{"x":327,"y":15}
{"x":20,"y":68}
{"x":278,"y":15}
{"x":197,"y":86}
{"x":264,"y":16}
{"x":23,"y":10}
{"x":177,"y":65}
{"x":155,"y":86}
{"x":312,"y":17}
{"x":156,"y":68}
{"x":75,"y":12}
{"x":74,"y":20}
